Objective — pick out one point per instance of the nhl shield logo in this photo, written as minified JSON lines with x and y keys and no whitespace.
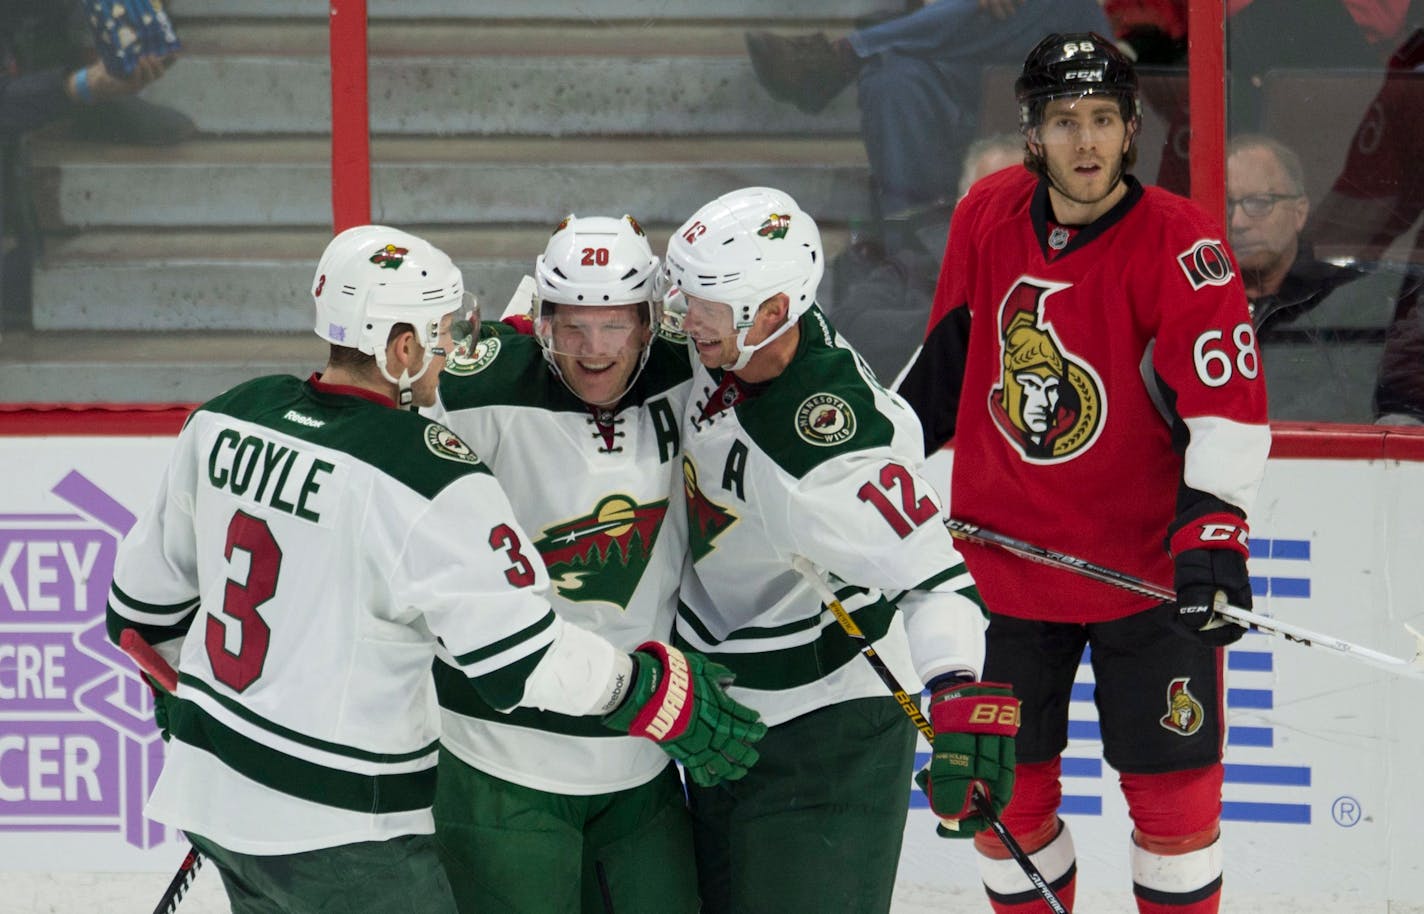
{"x":1184,"y":713}
{"x":824,"y":420}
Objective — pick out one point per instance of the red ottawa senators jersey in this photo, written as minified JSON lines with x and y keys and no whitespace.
{"x":1090,"y":377}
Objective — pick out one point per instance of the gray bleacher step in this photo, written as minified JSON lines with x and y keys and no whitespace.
{"x":281,"y":182}
{"x":591,"y":10}
{"x":240,"y":279}
{"x":475,"y":78}
{"x":168,"y":367}
{"x":253,"y":279}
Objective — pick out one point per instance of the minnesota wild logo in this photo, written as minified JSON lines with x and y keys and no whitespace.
{"x":776,"y":226}
{"x":471,"y":356}
{"x":706,"y":520}
{"x":390,"y":257}
{"x":601,"y":556}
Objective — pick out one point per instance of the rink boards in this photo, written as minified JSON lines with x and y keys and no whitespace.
{"x":1322,"y":758}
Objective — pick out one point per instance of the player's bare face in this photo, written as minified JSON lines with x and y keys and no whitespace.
{"x":709,"y":327}
{"x":1084,"y":141}
{"x":597,"y":348}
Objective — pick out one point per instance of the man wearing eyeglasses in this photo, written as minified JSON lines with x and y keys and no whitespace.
{"x":1266,"y":211}
{"x":1319,"y":344}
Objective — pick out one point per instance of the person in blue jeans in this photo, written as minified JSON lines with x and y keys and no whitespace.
{"x":918,"y":77}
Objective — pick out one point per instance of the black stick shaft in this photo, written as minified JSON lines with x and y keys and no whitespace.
{"x":911,"y":707}
{"x":187,"y":872}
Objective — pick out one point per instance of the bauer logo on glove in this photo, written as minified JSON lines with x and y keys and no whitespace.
{"x":974,"y":725}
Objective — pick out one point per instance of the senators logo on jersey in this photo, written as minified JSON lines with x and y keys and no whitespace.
{"x":1048,"y":404}
{"x":602,"y":555}
{"x":706,"y":520}
{"x":1206,"y":263}
{"x":1184,"y":713}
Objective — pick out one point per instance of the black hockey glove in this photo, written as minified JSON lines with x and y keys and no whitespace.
{"x":1209,"y":553}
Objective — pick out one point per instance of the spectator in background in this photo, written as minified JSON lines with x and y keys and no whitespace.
{"x":38,"y":86}
{"x":1266,"y":210}
{"x":1375,"y":200}
{"x":881,"y":304}
{"x":45,"y":40}
{"x":1261,"y":35}
{"x":918,"y":78}
{"x":1319,"y":325}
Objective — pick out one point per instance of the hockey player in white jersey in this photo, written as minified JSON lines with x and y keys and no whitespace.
{"x":792,"y":448}
{"x":308,"y":545}
{"x":539,"y":812}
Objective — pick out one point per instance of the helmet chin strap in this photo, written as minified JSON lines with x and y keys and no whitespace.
{"x":404,"y":396}
{"x":632,"y":378}
{"x":745,"y":352}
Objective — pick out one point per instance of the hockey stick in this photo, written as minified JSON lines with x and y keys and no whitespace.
{"x":148,"y":660}
{"x":1413,"y":668}
{"x":187,"y":872}
{"x":152,"y":663}
{"x":911,"y":707}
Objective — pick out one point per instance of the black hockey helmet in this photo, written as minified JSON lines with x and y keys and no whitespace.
{"x":1073,"y":65}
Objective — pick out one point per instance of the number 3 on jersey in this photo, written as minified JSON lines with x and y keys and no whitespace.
{"x":911,"y":511}
{"x":237,"y":637}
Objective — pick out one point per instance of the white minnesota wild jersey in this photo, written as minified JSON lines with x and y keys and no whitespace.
{"x":824,"y":463}
{"x":311,"y":542}
{"x":603,"y":504}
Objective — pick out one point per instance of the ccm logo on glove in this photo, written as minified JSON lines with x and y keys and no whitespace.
{"x":1211,"y":531}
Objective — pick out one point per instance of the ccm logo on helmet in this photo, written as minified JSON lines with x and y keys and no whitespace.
{"x":1090,"y":76}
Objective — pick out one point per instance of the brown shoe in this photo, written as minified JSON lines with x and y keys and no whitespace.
{"x":807,"y":71}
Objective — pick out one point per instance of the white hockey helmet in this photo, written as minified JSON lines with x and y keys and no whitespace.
{"x":596,"y":261}
{"x":743,"y":248}
{"x":372,"y":277}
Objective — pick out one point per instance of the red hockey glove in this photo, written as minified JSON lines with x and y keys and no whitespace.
{"x":1209,"y":553}
{"x":680,"y":702}
{"x":974,"y":724}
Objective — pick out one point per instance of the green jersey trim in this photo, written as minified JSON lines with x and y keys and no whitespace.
{"x":490,"y":650}
{"x":787,"y":668}
{"x":459,"y":696}
{"x":820,"y":408}
{"x":239,"y":710}
{"x":751,"y":632}
{"x":276,"y":770}
{"x":955,"y":571}
{"x":395,"y":442}
{"x":156,"y":609}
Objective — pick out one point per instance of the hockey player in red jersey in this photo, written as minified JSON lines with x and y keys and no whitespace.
{"x":1091,"y":355}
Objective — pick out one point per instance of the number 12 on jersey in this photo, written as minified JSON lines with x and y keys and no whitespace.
{"x":911,"y":512}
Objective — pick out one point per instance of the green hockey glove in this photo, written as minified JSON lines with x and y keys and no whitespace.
{"x":974,"y":724}
{"x":680,"y":702}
